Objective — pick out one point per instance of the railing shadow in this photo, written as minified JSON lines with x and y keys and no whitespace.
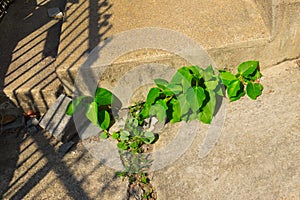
{"x":29,"y":60}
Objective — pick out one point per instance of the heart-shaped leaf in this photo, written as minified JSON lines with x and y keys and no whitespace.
{"x":153,"y":94}
{"x":92,"y":113}
{"x":233,"y":88}
{"x":124,"y":135}
{"x":161,"y":83}
{"x":104,"y":135}
{"x":247,"y":68}
{"x":227,"y":77}
{"x":197,"y":71}
{"x":254,"y":90}
{"x":148,"y":137}
{"x":195,"y":96}
{"x":207,"y":112}
{"x":103,"y":97}
{"x":176,"y":110}
{"x":122,"y":146}
{"x":159,"y":110}
{"x":104,"y":119}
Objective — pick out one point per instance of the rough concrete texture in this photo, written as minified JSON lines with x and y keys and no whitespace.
{"x":231,"y":32}
{"x":55,"y":120}
{"x":32,"y":167}
{"x":41,"y":56}
{"x":257,"y":155}
{"x":28,"y":44}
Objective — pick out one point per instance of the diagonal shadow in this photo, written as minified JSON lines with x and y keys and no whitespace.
{"x":71,"y":183}
{"x":20,"y":57}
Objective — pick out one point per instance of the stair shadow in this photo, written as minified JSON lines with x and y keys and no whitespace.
{"x":28,"y":57}
{"x":26,"y":51}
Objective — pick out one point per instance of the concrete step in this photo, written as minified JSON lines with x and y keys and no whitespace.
{"x":28,"y":44}
{"x":212,"y":24}
{"x":36,"y":70}
{"x":231,"y":32}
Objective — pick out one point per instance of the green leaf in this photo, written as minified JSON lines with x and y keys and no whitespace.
{"x":92,"y":113}
{"x":104,"y":135}
{"x":70,"y":109}
{"x":176,"y":79}
{"x":115,"y":135}
{"x":124,"y":135}
{"x":240,"y":93}
{"x":103,"y":97}
{"x":162,"y":103}
{"x":122,"y":146}
{"x":256,"y":75}
{"x":184,"y":106}
{"x":254,"y":90}
{"x":182,"y":74}
{"x":185,"y":72}
{"x":145,"y":181}
{"x":233,"y":88}
{"x":212,"y":84}
{"x":145,"y":112}
{"x":208,"y":73}
{"x":135,"y":122}
{"x":158,"y":110}
{"x":161,"y":83}
{"x":197,"y":71}
{"x":134,"y":145}
{"x":148,"y":137}
{"x":195,"y":97}
{"x":247,"y":68}
{"x":176,"y":110}
{"x":104,"y":119}
{"x":207,"y":112}
{"x":172,"y":89}
{"x":78,"y":103}
{"x":121,"y":174}
{"x":153,"y":94}
{"x":227,"y":77}
{"x":185,"y":85}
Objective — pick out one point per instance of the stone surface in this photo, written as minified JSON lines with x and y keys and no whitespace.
{"x":256,"y":157}
{"x":55,"y":120}
{"x":65,"y":147}
{"x":41,"y":56}
{"x":28,"y":44}
{"x":231,"y":32}
{"x":32,"y":168}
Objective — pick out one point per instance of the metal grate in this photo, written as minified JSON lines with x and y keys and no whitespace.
{"x":3,"y":7}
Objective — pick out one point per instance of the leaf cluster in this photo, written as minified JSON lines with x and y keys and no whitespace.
{"x":97,"y":109}
{"x":247,"y":77}
{"x":191,"y":94}
{"x":131,"y":137}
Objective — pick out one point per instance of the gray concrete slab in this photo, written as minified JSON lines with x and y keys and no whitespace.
{"x":55,"y":120}
{"x":257,"y":155}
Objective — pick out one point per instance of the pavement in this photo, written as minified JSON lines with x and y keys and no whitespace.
{"x":257,"y":154}
{"x":255,"y":157}
{"x":41,"y":56}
